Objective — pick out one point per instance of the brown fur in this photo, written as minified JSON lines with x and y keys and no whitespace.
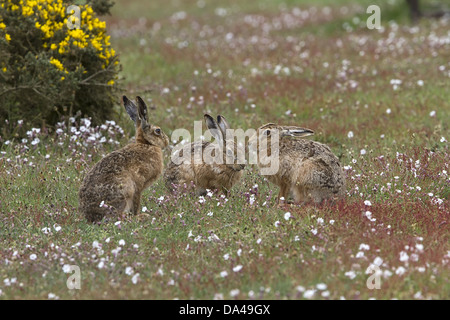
{"x":120,"y":177}
{"x":308,"y":170}
{"x":206,"y":176}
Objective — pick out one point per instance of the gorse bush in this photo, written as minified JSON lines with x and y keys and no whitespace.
{"x":54,"y":63}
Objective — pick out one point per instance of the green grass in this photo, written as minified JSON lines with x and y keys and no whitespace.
{"x":337,"y":81}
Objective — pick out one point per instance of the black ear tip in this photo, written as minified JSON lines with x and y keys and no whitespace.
{"x":125,"y":99}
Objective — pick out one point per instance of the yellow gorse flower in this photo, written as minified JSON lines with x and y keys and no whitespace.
{"x":50,"y":20}
{"x":27,"y":11}
{"x":51,"y":17}
{"x":57,"y":64}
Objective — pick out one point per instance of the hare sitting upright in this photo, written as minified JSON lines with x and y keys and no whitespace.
{"x":115,"y":184}
{"x":307,"y":170}
{"x":214,"y":175}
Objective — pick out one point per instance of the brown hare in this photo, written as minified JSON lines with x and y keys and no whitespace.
{"x":213,"y":175}
{"x":307,"y":170}
{"x":115,"y":184}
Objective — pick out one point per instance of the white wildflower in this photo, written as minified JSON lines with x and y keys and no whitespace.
{"x":234,"y":292}
{"x":364,"y":246}
{"x":309,"y":294}
{"x":404,"y":256}
{"x":300,"y":289}
{"x":237,"y":268}
{"x":378,"y":261}
{"x":67,"y":268}
{"x":400,"y":271}
{"x":321,"y":286}
{"x":135,"y":278}
{"x":287,"y":215}
{"x":129,"y":271}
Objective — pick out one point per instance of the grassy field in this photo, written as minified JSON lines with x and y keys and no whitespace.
{"x":379,"y":98}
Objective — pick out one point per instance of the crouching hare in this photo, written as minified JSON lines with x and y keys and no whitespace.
{"x":307,"y":170}
{"x":115,"y":184}
{"x":214,"y":166}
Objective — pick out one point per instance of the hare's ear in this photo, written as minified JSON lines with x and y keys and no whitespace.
{"x":296,"y":132}
{"x":142,"y":111}
{"x":131,"y":108}
{"x":213,"y":128}
{"x":223,"y":124}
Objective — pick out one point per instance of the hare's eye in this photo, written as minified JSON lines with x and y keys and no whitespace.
{"x":158,"y":131}
{"x":267,"y":132}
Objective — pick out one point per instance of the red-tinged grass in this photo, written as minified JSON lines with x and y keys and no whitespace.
{"x":186,"y":247}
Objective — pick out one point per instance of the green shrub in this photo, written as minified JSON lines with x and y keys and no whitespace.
{"x":49,"y":69}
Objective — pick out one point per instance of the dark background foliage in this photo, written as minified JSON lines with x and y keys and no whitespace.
{"x":32,"y":89}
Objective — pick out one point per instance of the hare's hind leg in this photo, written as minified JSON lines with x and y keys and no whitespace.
{"x":132,"y":204}
{"x":200,"y":191}
{"x":94,"y":214}
{"x":318,"y":196}
{"x":283,"y":194}
{"x":136,"y":203}
{"x":129,"y":198}
{"x":301,"y":194}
